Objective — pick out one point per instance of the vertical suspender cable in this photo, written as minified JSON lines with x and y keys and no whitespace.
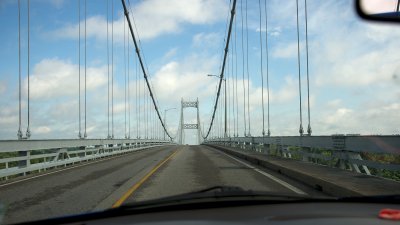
{"x":218,"y":127}
{"x":143,"y":108}
{"x":85,"y":134}
{"x":112,"y":68}
{"x":137,"y":100}
{"x":219,"y":119}
{"x":223,"y":118}
{"x":150,"y":112}
{"x":267,"y":56}
{"x":129,"y":96}
{"x":236,"y":83}
{"x":79,"y":68}
{"x":262,"y":74}
{"x":233,"y":89}
{"x":222,"y":115}
{"x":154,"y":125}
{"x":108,"y":76}
{"x":28,"y":132}
{"x":227,"y":100}
{"x":19,"y":134}
{"x":298,"y":64}
{"x":309,"y":130}
{"x":151,"y":124}
{"x":144,"y":111}
{"x":244,"y":87}
{"x":248,"y":74}
{"x":125,"y":77}
{"x":147,"y":116}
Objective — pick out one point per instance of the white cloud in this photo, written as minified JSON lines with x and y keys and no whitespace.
{"x":209,"y":40}
{"x":54,"y":78}
{"x":274,"y":31}
{"x":96,"y":28}
{"x":334,"y":103}
{"x":286,"y":93}
{"x":41,"y":130}
{"x":378,"y":120}
{"x":349,"y":52}
{"x":175,"y":80}
{"x":171,"y":53}
{"x":8,"y":115}
{"x":152,"y":18}
{"x":156,"y":17}
{"x":286,"y":50}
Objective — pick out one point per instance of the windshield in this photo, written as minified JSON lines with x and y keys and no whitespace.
{"x":107,"y":103}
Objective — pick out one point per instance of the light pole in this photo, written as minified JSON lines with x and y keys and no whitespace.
{"x":225,"y":129}
{"x":165,"y":118}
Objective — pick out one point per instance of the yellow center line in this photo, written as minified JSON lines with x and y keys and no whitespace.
{"x":137,"y":185}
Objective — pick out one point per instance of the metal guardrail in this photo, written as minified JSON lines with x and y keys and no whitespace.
{"x":343,"y":151}
{"x":23,"y":156}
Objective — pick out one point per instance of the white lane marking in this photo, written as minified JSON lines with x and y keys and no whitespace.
{"x":281,"y":182}
{"x":68,"y":168}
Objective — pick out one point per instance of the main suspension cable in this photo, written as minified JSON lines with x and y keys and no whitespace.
{"x":142,"y":66}
{"x":223,"y":65}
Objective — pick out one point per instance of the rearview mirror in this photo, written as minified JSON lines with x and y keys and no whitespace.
{"x":379,"y":10}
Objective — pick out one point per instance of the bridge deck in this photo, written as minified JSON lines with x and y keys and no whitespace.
{"x":99,"y":185}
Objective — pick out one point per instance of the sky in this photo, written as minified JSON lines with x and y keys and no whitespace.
{"x":354,"y":67}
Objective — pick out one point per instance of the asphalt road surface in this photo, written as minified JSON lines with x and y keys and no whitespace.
{"x":143,"y":175}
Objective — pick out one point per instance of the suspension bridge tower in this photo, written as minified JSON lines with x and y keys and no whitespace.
{"x":183,"y":125}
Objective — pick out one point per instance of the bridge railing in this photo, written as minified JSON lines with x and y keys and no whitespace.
{"x":19,"y":157}
{"x":376,"y":155}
